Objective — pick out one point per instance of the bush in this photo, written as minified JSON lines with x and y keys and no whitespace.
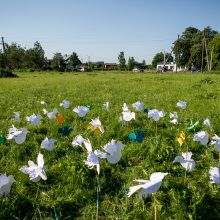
{"x":6,"y":73}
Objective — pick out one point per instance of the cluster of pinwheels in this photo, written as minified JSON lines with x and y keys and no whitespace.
{"x":111,"y":151}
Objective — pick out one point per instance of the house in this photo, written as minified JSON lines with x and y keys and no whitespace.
{"x":170,"y":66}
{"x":110,"y":66}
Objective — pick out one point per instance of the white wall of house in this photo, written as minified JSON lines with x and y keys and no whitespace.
{"x":170,"y":67}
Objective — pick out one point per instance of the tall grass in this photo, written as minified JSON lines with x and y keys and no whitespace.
{"x":70,"y":190}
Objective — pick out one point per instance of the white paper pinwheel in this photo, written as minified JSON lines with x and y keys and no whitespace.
{"x":207,"y":123}
{"x":125,"y":108}
{"x":5,"y":184}
{"x":216,"y":142}
{"x":96,"y":126}
{"x":48,"y":144}
{"x":34,"y":119}
{"x":128,"y":116}
{"x":174,"y":118}
{"x":93,"y":157}
{"x":35,"y":171}
{"x":78,"y":141}
{"x":181,"y":104}
{"x":138,"y":105}
{"x":81,"y":110}
{"x":156,"y":114}
{"x":43,"y":103}
{"x":52,"y":114}
{"x":202,"y":137}
{"x":186,"y":161}
{"x":17,"y":116}
{"x":214,"y":173}
{"x":106,"y":105}
{"x":65,"y":104}
{"x":18,"y":135}
{"x":147,"y":186}
{"x":113,"y":150}
{"x":123,"y":122}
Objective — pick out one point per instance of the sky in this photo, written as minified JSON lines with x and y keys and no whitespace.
{"x":98,"y":30}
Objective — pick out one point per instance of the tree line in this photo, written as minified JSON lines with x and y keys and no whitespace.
{"x":194,"y":47}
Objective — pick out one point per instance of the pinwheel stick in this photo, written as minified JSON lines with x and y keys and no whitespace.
{"x":97,"y":204}
{"x":155,"y":208}
{"x":97,"y":198}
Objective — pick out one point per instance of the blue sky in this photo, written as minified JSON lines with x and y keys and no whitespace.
{"x":99,"y":29}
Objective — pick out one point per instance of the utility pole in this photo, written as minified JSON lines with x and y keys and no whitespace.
{"x":202,"y":52}
{"x":206,"y":51}
{"x":177,"y":57}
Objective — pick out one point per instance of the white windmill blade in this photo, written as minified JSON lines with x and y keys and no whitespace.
{"x":100,"y":154}
{"x":98,"y":168}
{"x":31,"y":164}
{"x":115,"y":157}
{"x":110,"y":147}
{"x":25,"y":170}
{"x":133,"y":189}
{"x":87,"y":145}
{"x":178,"y":159}
{"x":152,"y":186}
{"x":43,"y":175}
{"x":141,"y":181}
{"x":157,"y":176}
{"x":40,"y":160}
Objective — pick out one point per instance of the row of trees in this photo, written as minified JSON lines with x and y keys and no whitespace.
{"x":193,"y":48}
{"x":130,"y":64}
{"x":16,"y":57}
{"x":198,"y":48}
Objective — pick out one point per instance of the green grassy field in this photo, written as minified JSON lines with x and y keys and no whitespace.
{"x":71,"y":187}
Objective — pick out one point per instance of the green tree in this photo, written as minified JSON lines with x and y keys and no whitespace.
{"x":37,"y":56}
{"x":214,"y":47}
{"x":143,"y":64}
{"x":188,"y":48}
{"x":15,"y":56}
{"x":74,"y":60}
{"x":58,"y":62}
{"x":131,"y":63}
{"x":122,"y":61}
{"x":2,"y":61}
{"x":182,"y":46}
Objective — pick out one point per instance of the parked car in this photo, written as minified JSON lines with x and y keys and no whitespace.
{"x":137,"y":70}
{"x":195,"y":69}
